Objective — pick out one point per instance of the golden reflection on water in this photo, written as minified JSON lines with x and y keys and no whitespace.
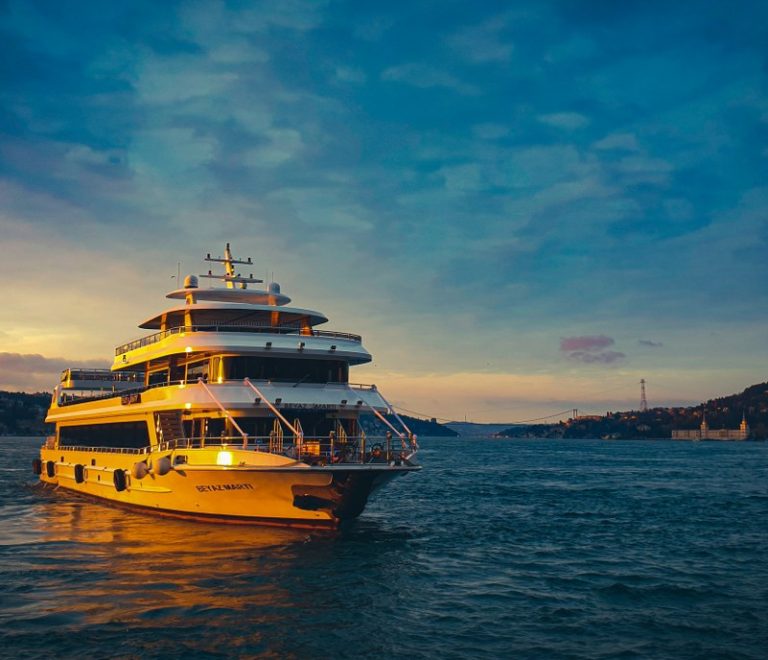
{"x":126,"y":566}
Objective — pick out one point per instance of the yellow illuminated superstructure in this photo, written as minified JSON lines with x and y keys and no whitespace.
{"x":236,"y":409}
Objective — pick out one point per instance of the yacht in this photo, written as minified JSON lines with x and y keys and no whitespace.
{"x":235,"y":408}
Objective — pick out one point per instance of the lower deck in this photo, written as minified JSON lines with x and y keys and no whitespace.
{"x":225,"y":482}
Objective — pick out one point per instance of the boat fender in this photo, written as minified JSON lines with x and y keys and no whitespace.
{"x":118,"y":477}
{"x":50,"y":469}
{"x":79,"y":474}
{"x":162,"y":466}
{"x":37,"y":466}
{"x":139,"y":470}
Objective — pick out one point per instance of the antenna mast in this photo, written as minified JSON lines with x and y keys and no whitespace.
{"x":230,"y":276}
{"x":643,"y":400}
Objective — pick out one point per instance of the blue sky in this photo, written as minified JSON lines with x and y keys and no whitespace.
{"x":523,"y":207}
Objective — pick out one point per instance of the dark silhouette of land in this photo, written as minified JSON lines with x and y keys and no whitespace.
{"x":725,"y":412}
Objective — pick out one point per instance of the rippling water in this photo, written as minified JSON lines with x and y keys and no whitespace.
{"x":551,"y":549}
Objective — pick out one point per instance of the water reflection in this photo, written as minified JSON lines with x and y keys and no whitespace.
{"x":94,"y":564}
{"x":90,"y":567}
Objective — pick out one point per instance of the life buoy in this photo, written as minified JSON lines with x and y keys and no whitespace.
{"x":79,"y":474}
{"x":50,"y":469}
{"x":37,"y":466}
{"x":118,"y":477}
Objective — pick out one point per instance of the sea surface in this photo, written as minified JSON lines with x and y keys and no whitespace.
{"x":497,"y":549}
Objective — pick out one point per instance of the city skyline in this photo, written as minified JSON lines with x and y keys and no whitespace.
{"x":529,"y":211}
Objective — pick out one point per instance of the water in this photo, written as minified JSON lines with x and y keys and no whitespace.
{"x":524,"y":548}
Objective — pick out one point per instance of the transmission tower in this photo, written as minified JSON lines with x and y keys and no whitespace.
{"x":643,"y":400}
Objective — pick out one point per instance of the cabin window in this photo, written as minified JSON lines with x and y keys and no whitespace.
{"x":158,"y":377}
{"x":119,"y":434}
{"x":289,"y":370}
{"x":197,"y":370}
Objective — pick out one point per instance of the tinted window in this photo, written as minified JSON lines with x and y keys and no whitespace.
{"x":122,"y":434}
{"x":292,"y":370}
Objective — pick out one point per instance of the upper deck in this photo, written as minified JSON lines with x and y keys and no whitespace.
{"x":236,"y":320}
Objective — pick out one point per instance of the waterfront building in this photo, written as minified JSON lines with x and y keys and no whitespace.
{"x":705,"y":433}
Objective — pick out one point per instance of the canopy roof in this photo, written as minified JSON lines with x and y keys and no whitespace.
{"x":233,"y":295}
{"x":241,"y":310}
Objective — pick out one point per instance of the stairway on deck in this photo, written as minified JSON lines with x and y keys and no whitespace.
{"x":169,"y":426}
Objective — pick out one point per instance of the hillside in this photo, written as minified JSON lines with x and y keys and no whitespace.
{"x":23,"y":414}
{"x":421,"y":427}
{"x":724,"y":412}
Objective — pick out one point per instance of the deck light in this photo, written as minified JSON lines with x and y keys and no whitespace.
{"x":257,"y":400}
{"x":188,"y":349}
{"x":224,"y":458}
{"x":343,"y":402}
{"x":278,"y":400}
{"x":332,"y":348}
{"x":359,"y":402}
{"x":301,"y":345}
{"x":188,"y":406}
{"x":268,"y":345}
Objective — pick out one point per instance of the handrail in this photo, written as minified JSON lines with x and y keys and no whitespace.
{"x":313,"y":450}
{"x":110,"y":394}
{"x":104,"y":450}
{"x":226,"y":412}
{"x":260,"y":329}
{"x":248,"y":383}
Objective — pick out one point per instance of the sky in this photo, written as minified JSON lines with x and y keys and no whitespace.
{"x":523,"y":207}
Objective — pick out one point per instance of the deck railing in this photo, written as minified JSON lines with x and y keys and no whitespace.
{"x":315,"y":450}
{"x":67,"y":398}
{"x":259,"y":329}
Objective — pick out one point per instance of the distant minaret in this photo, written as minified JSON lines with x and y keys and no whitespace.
{"x":704,"y":426}
{"x":643,"y":400}
{"x":743,"y":427}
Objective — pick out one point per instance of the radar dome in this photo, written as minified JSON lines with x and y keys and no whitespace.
{"x":190,"y":282}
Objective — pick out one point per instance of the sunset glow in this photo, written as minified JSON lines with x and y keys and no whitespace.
{"x":526,"y":213}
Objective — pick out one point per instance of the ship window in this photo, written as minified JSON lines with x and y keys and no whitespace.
{"x":197,"y":370}
{"x":290,"y":370}
{"x":158,"y":377}
{"x":119,"y":434}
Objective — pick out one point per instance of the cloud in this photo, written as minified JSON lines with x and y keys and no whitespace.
{"x":425,"y":76}
{"x":33,"y":372}
{"x":483,"y":43}
{"x":602,"y":357}
{"x":490,"y":131}
{"x":585,"y":343}
{"x":617,"y":142}
{"x":588,"y":349}
{"x":650,"y":344}
{"x":350,"y":74}
{"x":566,"y":120}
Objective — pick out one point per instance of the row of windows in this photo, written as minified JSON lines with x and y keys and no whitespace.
{"x":119,"y":434}
{"x":314,"y":424}
{"x":286,"y":370}
{"x":292,"y":370}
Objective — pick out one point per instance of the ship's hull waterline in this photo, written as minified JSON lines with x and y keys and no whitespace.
{"x":294,"y":494}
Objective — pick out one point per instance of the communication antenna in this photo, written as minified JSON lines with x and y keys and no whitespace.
{"x":230,"y":276}
{"x":643,"y":400}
